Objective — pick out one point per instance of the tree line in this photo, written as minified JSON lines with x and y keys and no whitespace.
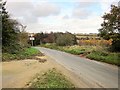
{"x":60,"y":38}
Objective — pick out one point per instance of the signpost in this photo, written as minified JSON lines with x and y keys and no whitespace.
{"x":32,"y":39}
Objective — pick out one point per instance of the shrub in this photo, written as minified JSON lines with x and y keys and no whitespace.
{"x":115,"y":46}
{"x":65,"y":39}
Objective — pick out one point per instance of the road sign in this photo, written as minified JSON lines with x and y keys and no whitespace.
{"x":32,"y":38}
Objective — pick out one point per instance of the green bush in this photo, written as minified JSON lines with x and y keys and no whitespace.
{"x":115,"y":47}
{"x":64,"y":39}
{"x":6,"y":56}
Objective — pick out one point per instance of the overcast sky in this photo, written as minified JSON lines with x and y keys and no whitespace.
{"x":75,"y":16}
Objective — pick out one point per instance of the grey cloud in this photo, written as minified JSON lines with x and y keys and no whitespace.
{"x":81,"y":13}
{"x":86,"y":0}
{"x":85,"y":4}
{"x":30,"y":19}
{"x":23,"y":10}
{"x":83,"y":9}
{"x":19,"y":8}
{"x":30,"y":12}
{"x":46,"y":9}
{"x":66,"y":17}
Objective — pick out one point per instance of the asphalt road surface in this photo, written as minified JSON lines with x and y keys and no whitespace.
{"x":93,"y":73}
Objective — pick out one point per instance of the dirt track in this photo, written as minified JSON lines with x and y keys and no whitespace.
{"x":16,"y":74}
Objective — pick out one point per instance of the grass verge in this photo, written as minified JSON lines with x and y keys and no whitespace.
{"x":27,"y":53}
{"x":92,"y":52}
{"x":111,"y":58}
{"x":50,"y":79}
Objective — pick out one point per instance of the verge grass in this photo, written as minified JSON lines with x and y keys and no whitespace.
{"x":111,"y":58}
{"x":50,"y":79}
{"x":98,"y":53}
{"x":26,"y":53}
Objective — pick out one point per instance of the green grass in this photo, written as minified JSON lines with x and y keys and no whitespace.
{"x":51,"y":79}
{"x":76,"y":50}
{"x":111,"y":58}
{"x":26,"y":53}
{"x":92,"y":52}
{"x":52,"y":46}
